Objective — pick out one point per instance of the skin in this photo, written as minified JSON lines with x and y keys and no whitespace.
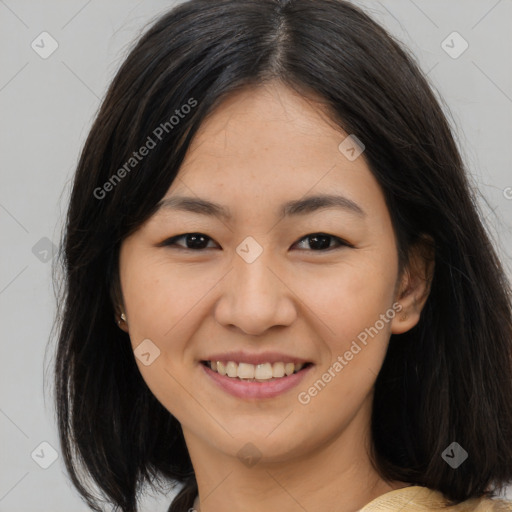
{"x":262,"y":147}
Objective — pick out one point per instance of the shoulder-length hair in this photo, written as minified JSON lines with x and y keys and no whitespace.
{"x":447,"y":379}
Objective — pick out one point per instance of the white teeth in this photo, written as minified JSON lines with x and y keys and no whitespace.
{"x":245,"y":371}
{"x":231,"y":369}
{"x":263,"y":371}
{"x":259,"y":372}
{"x":278,"y":369}
{"x":221,"y":368}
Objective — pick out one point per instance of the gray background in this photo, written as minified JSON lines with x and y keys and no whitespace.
{"x":47,"y":106}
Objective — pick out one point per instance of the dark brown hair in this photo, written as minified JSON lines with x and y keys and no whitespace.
{"x":447,"y":379}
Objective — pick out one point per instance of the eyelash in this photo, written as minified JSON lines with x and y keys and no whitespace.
{"x":171,"y":242}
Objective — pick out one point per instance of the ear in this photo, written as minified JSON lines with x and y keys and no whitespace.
{"x":415,"y":283}
{"x":121,"y":320}
{"x":118,"y":304}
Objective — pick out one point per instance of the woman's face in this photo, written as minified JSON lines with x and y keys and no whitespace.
{"x":258,"y":287}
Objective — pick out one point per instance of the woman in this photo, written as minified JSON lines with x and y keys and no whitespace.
{"x":278,"y":289}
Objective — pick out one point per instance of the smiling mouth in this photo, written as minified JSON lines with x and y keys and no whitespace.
{"x":247,"y":372}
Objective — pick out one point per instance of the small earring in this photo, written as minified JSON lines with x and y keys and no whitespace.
{"x":123,"y":318}
{"x":403,"y":317}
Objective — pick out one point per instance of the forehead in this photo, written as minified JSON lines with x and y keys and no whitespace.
{"x":269,"y":143}
{"x":269,"y":119}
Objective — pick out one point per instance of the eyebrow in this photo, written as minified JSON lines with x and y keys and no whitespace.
{"x":291,"y":208}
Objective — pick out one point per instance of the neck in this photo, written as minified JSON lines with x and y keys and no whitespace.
{"x":337,"y":475}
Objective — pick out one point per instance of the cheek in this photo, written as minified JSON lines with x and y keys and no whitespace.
{"x":159,"y":295}
{"x":355,"y":353}
{"x":355,"y":308}
{"x":157,"y":301}
{"x":351,"y":297}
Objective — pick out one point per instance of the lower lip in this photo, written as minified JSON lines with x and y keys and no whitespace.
{"x":243,"y":389}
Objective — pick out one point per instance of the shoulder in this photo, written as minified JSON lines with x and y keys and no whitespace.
{"x":421,"y":499}
{"x":485,"y":505}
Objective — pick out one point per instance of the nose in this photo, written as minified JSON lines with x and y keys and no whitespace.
{"x":255,"y":297}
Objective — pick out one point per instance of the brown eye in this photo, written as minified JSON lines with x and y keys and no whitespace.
{"x":318,"y":242}
{"x":322,"y":242}
{"x":193,"y":241}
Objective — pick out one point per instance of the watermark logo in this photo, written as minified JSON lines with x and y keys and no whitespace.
{"x":249,"y":250}
{"x":44,"y":455}
{"x":146,"y":352}
{"x":44,"y":45}
{"x":44,"y":250}
{"x":351,"y":147}
{"x":157,"y":135}
{"x":454,"y":455}
{"x":454,"y":45}
{"x":304,"y":397}
{"x":249,"y":455}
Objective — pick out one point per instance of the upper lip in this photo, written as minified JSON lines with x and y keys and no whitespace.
{"x":263,"y":357}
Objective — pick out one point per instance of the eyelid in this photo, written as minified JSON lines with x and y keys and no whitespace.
{"x":341,"y":241}
{"x":169,"y":242}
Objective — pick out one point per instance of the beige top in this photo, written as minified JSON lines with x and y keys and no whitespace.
{"x":422,"y":499}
